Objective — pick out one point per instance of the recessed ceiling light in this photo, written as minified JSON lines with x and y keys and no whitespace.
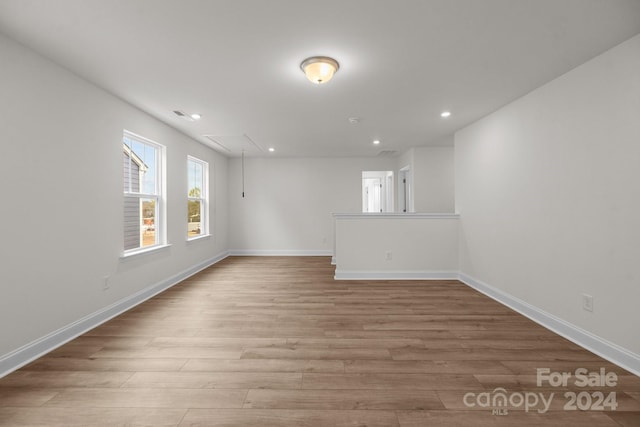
{"x":183,"y":115}
{"x":271,"y":149}
{"x":354,"y":120}
{"x":376,"y":142}
{"x":188,"y":117}
{"x":445,"y":114}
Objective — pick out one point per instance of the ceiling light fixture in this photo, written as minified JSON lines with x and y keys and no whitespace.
{"x":271,"y":149}
{"x":188,"y":117}
{"x":319,"y":69}
{"x":376,"y":142}
{"x":445,"y":114}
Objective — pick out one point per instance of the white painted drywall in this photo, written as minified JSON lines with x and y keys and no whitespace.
{"x":548,"y":191}
{"x":401,"y":246}
{"x":434,"y":178}
{"x":61,"y":211}
{"x":289,"y":201}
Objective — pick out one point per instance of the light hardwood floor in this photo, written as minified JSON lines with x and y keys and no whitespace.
{"x":275,"y":341}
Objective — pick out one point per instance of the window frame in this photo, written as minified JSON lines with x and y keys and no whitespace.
{"x":203,"y":199}
{"x":159,"y":195}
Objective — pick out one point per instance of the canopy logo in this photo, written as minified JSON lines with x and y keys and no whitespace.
{"x":500,"y":401}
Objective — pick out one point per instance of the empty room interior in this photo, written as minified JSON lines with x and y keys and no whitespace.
{"x":341,"y":213}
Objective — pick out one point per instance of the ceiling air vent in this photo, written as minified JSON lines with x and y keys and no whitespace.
{"x":387,"y":153}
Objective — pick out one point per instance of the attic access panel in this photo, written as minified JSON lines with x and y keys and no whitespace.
{"x":234,"y":145}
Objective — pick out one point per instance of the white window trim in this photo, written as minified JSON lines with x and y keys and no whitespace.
{"x":204,"y":199}
{"x":131,"y":253}
{"x":160,"y":196}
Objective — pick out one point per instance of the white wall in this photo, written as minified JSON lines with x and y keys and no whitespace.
{"x":62,"y":204}
{"x":434,"y":178}
{"x":396,"y":246}
{"x":548,"y":189}
{"x":289,"y":201}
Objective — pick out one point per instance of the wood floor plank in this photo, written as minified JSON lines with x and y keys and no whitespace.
{"x":169,"y":352}
{"x":486,"y":419}
{"x":264,"y":365}
{"x":216,"y":342}
{"x":288,"y":418}
{"x":491,"y":354}
{"x":105,"y":364}
{"x":395,"y":381}
{"x":625,"y":419}
{"x":342,"y":399}
{"x":94,"y":417}
{"x":25,"y":396}
{"x":422,"y":326}
{"x":513,"y":334}
{"x":388,"y":334}
{"x":502,"y":344}
{"x":354,"y":342}
{"x":224,"y":380}
{"x":113,"y":342}
{"x":147,"y":398}
{"x":116,"y":331}
{"x":263,"y":332}
{"x":316,"y":353}
{"x":446,"y":418}
{"x":61,"y":379}
{"x":426,"y":366}
{"x":276,"y":341}
{"x":75,"y":350}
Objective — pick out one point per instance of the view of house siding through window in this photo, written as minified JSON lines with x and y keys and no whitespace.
{"x":141,"y":192}
{"x":197,"y":195}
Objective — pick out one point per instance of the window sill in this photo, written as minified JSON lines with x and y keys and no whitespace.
{"x":145,"y":251}
{"x":198,"y":238}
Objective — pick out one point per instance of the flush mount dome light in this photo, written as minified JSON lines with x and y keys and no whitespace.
{"x":319,"y":69}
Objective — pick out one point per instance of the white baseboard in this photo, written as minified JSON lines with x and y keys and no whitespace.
{"x":395,"y":275}
{"x":35,"y":349}
{"x":603,"y":348}
{"x":292,"y":252}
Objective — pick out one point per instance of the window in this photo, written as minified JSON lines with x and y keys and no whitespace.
{"x":143,"y":193}
{"x":197,"y":198}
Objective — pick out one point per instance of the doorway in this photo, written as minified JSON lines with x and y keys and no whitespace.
{"x":404,"y":187}
{"x":377,"y":191}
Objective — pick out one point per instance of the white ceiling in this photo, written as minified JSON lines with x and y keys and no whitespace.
{"x":401,"y":62}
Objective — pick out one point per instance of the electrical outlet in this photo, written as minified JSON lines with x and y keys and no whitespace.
{"x":388,"y":255}
{"x":587,"y":302}
{"x":106,"y":283}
